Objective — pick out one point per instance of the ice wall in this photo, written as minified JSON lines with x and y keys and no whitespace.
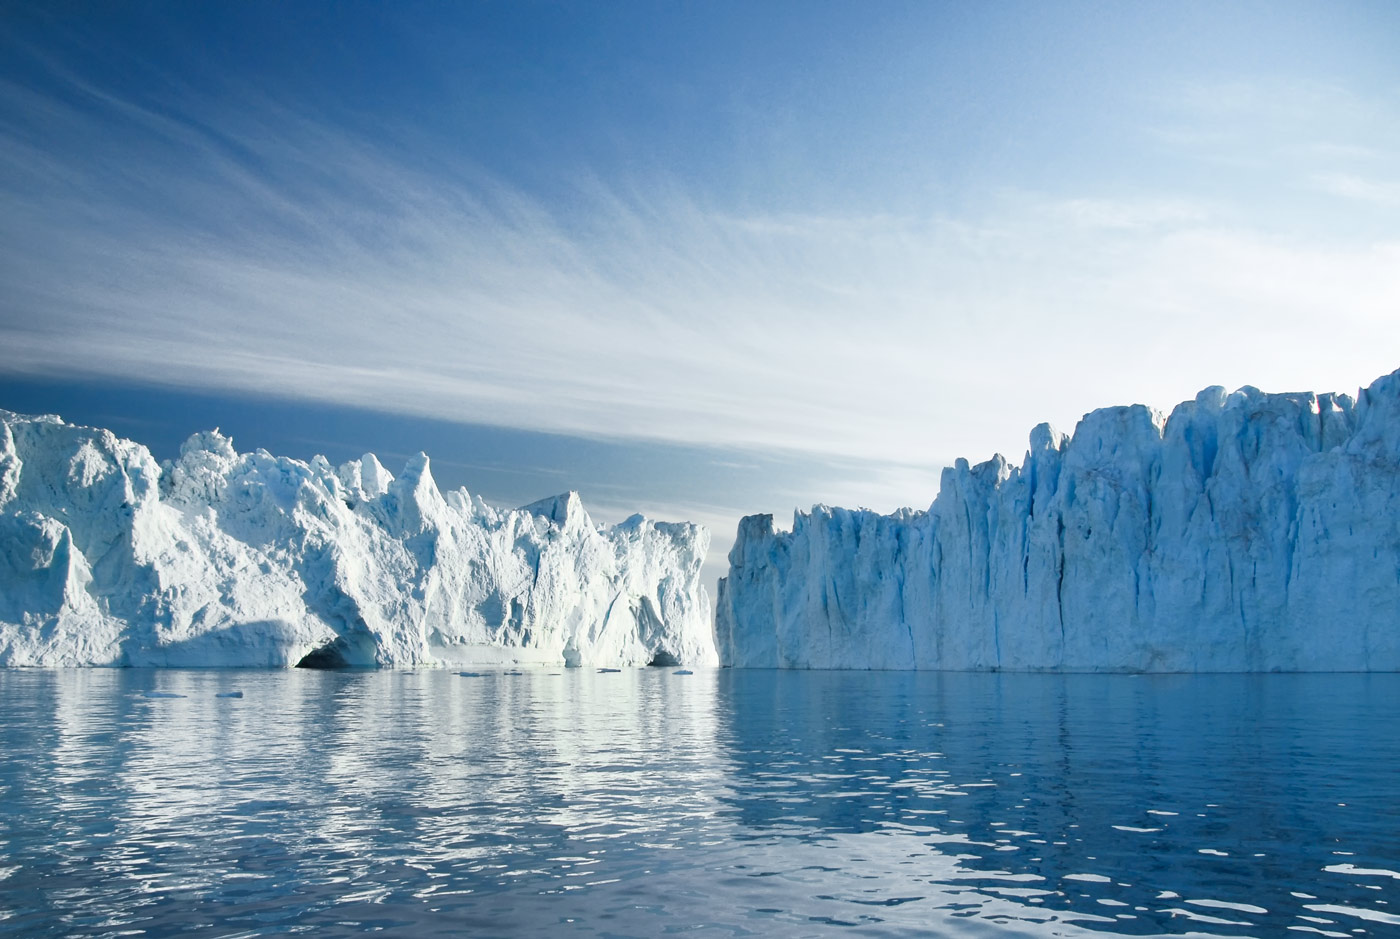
{"x":1245,"y":532}
{"x":222,"y":558}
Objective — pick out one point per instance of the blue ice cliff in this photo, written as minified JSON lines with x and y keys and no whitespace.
{"x":1244,"y":532}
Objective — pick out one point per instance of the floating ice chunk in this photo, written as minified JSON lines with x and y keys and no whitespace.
{"x":160,"y":694}
{"x":609,"y":670}
{"x":229,"y":694}
{"x":470,"y":674}
{"x":220,"y":558}
{"x":682,"y":671}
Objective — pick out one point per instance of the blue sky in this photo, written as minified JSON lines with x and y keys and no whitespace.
{"x":695,"y":259}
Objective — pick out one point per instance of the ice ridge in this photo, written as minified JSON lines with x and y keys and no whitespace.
{"x":1245,"y":532}
{"x":221,"y":558}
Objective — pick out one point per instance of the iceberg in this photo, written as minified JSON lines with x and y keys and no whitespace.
{"x":221,"y":558}
{"x":1245,"y":532}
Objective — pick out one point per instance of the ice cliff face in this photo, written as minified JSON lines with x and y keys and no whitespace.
{"x":1245,"y":532}
{"x":222,"y":558}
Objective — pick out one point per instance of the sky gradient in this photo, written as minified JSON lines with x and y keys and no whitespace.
{"x":694,"y":259}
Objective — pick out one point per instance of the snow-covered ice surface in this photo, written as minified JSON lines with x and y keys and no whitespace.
{"x":1244,"y":532}
{"x":221,"y":558}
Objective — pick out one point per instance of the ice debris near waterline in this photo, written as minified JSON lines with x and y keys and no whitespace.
{"x":220,"y":558}
{"x":1245,"y":532}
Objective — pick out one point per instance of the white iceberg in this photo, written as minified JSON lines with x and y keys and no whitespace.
{"x":1244,"y":532}
{"x":221,"y":558}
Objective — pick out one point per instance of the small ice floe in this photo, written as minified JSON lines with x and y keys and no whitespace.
{"x":160,"y":694}
{"x":470,"y":674}
{"x":601,"y":670}
{"x":513,"y":672}
{"x":229,"y":694}
{"x":682,"y":671}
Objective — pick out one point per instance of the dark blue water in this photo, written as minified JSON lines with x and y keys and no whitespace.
{"x":644,"y":803}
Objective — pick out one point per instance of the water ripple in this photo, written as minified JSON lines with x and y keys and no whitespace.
{"x":728,"y":803}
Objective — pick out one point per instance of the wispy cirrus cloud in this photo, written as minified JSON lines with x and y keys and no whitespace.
{"x":1384,"y":193}
{"x":263,"y":250}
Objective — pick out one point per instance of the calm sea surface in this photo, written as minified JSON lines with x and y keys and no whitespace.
{"x":645,"y":802}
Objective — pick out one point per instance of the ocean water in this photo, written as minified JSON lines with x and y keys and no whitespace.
{"x":722,"y":803}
